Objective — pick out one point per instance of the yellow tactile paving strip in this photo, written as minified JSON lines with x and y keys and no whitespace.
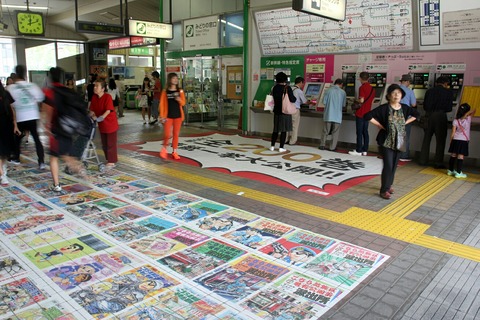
{"x":389,"y":222}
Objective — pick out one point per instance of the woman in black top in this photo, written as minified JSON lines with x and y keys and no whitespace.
{"x":8,"y":128}
{"x":391,"y":119}
{"x":281,"y":122}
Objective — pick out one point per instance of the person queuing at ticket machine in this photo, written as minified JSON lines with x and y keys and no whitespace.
{"x":334,"y":100}
{"x":366,"y":94}
{"x":410,"y":101}
{"x":298,"y":93}
{"x":438,"y":101}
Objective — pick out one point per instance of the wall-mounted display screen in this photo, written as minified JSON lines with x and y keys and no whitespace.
{"x":313,"y":89}
{"x":419,"y":93}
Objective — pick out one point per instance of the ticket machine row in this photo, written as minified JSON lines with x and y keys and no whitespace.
{"x":314,"y":91}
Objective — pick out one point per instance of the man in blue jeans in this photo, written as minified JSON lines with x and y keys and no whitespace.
{"x":366,"y":94}
{"x":410,"y":101}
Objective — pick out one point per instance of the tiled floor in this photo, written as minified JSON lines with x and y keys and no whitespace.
{"x":155,"y":239}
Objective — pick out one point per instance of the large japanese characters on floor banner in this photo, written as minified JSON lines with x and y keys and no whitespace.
{"x":306,"y":168}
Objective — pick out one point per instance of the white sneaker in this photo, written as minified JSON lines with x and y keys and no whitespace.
{"x":354,"y":153}
{"x":4,"y":180}
{"x":42,"y":166}
{"x":364,"y":153}
{"x":282,"y":150}
{"x":56,"y":188}
{"x":271,"y":148}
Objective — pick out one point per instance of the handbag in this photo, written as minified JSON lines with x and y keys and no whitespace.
{"x":269,"y":103}
{"x":287,"y":106}
{"x":357,"y":105}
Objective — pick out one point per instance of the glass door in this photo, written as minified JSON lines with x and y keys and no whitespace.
{"x":202,"y":85}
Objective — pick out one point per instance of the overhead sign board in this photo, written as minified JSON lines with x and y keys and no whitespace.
{"x":127,"y":42}
{"x":330,"y":9}
{"x":150,"y":29}
{"x":201,"y":33}
{"x":101,"y":28}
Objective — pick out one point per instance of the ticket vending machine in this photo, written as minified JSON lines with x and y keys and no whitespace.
{"x":349,"y":85}
{"x":456,"y":85}
{"x":312,"y":91}
{"x":420,"y":84}
{"x":379,"y":84}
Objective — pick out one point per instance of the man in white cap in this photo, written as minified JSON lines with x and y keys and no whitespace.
{"x":410,"y":101}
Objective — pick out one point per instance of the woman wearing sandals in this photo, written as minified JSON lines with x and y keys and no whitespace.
{"x":102,"y":109}
{"x":171,"y":113}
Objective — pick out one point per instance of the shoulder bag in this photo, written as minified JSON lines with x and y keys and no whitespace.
{"x":357,"y":105}
{"x":287,"y":106}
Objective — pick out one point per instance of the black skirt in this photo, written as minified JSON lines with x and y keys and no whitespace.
{"x":459,"y":147}
{"x":282,"y":123}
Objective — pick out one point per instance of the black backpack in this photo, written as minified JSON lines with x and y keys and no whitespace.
{"x":72,"y":113}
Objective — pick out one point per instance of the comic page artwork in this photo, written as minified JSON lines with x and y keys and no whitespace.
{"x":189,"y":303}
{"x":10,"y":267}
{"x":90,"y":269}
{"x":139,"y":229}
{"x":259,"y":233}
{"x":241,"y":278}
{"x":230,"y":219}
{"x":196,"y":211}
{"x":46,"y":310}
{"x":295,"y":297}
{"x":119,"y":292}
{"x":61,"y":252}
{"x":43,"y":236}
{"x":77,"y":198}
{"x":156,"y":246}
{"x":186,"y":236}
{"x":149,"y":193}
{"x":24,"y":209}
{"x":201,"y":258}
{"x":117,"y":216}
{"x":19,"y":294}
{"x":170,"y":202}
{"x":297,"y":248}
{"x":17,"y":225}
{"x":344,"y":263}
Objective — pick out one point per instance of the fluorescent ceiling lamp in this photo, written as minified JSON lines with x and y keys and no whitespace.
{"x":11,"y":6}
{"x":231,"y":25}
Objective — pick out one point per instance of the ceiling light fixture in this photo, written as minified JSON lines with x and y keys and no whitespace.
{"x":11,"y":6}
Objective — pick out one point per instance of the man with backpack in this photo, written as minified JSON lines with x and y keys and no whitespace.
{"x":60,"y":103}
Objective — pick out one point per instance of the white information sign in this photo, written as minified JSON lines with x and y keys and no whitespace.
{"x":150,"y":29}
{"x":201,"y":33}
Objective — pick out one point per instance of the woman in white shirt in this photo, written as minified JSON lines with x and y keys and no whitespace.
{"x":113,"y":91}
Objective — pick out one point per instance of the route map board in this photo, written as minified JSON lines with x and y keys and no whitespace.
{"x":370,"y":25}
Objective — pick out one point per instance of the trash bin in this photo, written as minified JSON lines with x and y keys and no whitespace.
{"x":130,"y":101}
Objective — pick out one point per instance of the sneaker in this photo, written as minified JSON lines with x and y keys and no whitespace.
{"x":391,"y":190}
{"x":405,"y":159}
{"x":321,"y":148}
{"x":42,"y":166}
{"x":272,"y":148}
{"x":281,"y":150}
{"x":4,"y":180}
{"x":154,"y":121}
{"x":385,"y":195}
{"x":364,"y":153}
{"x":354,"y":153}
{"x":15,"y":162}
{"x":144,"y":122}
{"x":460,"y":175}
{"x":56,"y":188}
{"x":163,"y":153}
{"x":451,"y":173}
{"x":175,"y":156}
